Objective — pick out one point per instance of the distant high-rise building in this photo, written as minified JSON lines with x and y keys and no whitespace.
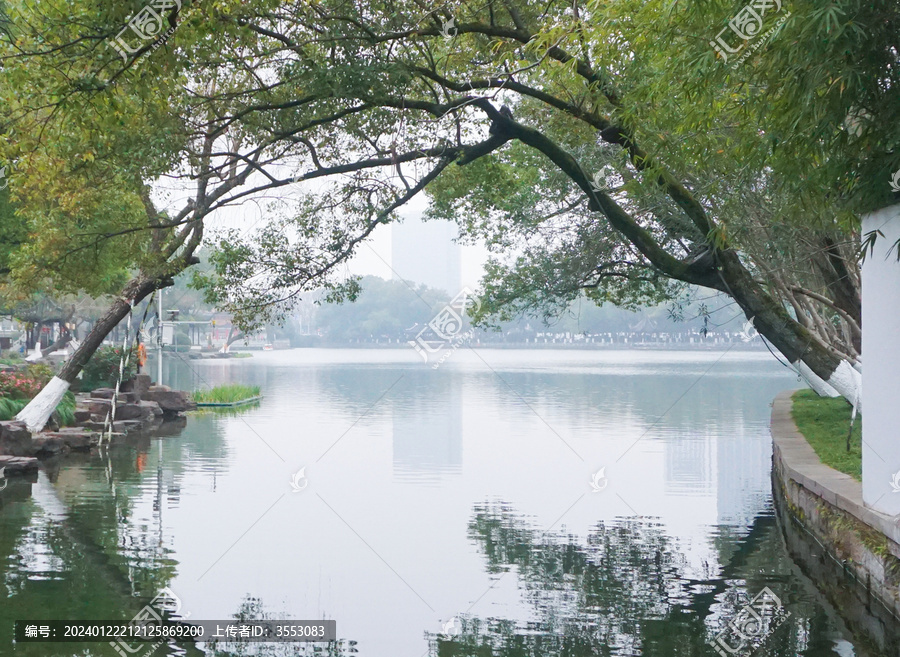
{"x":424,"y":252}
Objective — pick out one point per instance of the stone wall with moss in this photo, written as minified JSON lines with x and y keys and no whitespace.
{"x":862,"y":543}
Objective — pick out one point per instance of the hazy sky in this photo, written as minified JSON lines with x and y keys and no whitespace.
{"x":374,"y":257}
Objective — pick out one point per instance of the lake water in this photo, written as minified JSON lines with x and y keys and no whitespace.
{"x":456,"y":511}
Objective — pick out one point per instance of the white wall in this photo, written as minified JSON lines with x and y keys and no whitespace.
{"x":881,"y":363}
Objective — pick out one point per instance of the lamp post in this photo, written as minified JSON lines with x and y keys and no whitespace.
{"x":159,"y":341}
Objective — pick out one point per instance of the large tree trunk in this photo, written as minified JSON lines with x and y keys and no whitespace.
{"x":32,"y":336}
{"x":826,"y":370}
{"x":39,"y":409}
{"x":232,"y":338}
{"x":726,"y":273}
{"x":56,"y":346}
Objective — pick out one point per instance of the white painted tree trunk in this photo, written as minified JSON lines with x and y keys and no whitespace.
{"x":39,"y":409}
{"x":848,"y":382}
{"x":814,"y":381}
{"x":844,"y":382}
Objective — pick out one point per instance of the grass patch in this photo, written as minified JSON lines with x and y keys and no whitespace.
{"x":227,"y":394}
{"x":824,"y":422}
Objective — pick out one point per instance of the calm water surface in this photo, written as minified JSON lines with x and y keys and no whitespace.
{"x":431,"y":495}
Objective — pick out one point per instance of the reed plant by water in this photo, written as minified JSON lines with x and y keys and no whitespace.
{"x":226,"y":394}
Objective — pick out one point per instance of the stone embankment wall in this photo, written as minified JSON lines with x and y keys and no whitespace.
{"x":862,"y":544}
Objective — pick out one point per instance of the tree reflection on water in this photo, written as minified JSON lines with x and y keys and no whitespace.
{"x":625,"y":590}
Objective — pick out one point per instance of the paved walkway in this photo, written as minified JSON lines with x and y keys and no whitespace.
{"x":800,"y":463}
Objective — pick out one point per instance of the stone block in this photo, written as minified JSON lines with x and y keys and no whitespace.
{"x":75,"y":438}
{"x":107,"y":393}
{"x":15,"y":439}
{"x":130,"y":412}
{"x":118,"y":425}
{"x":138,"y":385}
{"x":18,"y":464}
{"x":152,"y":407}
{"x":170,"y":401}
{"x":103,"y":393}
{"x":48,"y":444}
{"x":99,"y":407}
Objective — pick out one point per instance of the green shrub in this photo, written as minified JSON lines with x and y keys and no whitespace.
{"x":102,"y":370}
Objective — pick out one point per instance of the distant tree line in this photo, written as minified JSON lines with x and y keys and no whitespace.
{"x":394,"y":310}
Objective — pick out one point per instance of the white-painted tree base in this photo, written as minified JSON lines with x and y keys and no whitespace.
{"x":815,"y":382}
{"x":844,"y":382}
{"x":39,"y":409}
{"x":848,"y":382}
